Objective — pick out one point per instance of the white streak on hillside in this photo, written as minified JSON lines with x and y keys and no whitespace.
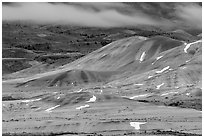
{"x":81,"y":107}
{"x":150,"y":77}
{"x":136,"y":125}
{"x":142,"y":56}
{"x":163,"y":70}
{"x":144,"y":95}
{"x":49,"y":109}
{"x":138,"y":84}
{"x":158,"y":86}
{"x":189,"y":45}
{"x":79,"y":90}
{"x":168,"y":93}
{"x":159,"y":57}
{"x":55,"y":92}
{"x":26,"y":101}
{"x":41,"y":35}
{"x":142,"y":38}
{"x":93,"y":99}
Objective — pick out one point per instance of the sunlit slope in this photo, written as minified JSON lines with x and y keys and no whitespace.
{"x":185,"y":63}
{"x":131,"y":56}
{"x":173,"y":79}
{"x":124,"y":52}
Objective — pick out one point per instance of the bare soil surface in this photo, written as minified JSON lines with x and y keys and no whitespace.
{"x":54,"y":112}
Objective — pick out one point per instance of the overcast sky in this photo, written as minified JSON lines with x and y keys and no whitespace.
{"x":106,"y":14}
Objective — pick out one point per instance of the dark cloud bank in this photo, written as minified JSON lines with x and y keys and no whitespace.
{"x":106,"y":14}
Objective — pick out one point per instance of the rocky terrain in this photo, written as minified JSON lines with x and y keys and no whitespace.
{"x":62,"y":80}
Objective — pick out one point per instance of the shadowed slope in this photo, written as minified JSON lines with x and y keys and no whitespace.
{"x":70,"y":78}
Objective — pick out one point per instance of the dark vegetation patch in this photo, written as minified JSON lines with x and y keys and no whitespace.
{"x":11,"y":98}
{"x":174,"y":133}
{"x":10,"y":66}
{"x":50,"y":134}
{"x":155,"y":132}
{"x":194,"y":103}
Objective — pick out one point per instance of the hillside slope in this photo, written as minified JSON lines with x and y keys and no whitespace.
{"x":139,"y":82}
{"x":134,"y":54}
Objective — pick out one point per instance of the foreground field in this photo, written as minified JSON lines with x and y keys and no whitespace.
{"x":66,"y":112}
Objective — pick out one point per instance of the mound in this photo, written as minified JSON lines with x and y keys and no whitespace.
{"x":125,"y":52}
{"x":121,"y":59}
{"x":70,"y":78}
{"x":118,"y":56}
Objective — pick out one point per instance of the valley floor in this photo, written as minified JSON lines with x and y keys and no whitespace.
{"x":106,"y":116}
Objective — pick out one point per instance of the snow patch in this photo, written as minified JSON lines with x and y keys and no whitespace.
{"x":49,"y":109}
{"x":136,"y":125}
{"x":143,"y":95}
{"x":168,"y":93}
{"x":158,"y":86}
{"x":41,"y":35}
{"x":93,"y":99}
{"x":81,"y":107}
{"x":26,"y":101}
{"x":159,"y":57}
{"x":79,"y":90}
{"x":185,"y":43}
{"x":142,"y":56}
{"x":142,"y":38}
{"x":150,"y":77}
{"x":188,"y":45}
{"x":101,"y":91}
{"x":163,"y":70}
{"x":139,"y":84}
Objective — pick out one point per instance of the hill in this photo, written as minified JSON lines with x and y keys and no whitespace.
{"x":133,"y":86}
